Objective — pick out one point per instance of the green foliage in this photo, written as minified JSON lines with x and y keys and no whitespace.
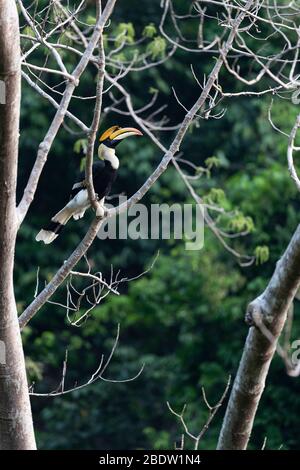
{"x":80,"y":146}
{"x":91,"y":20}
{"x":149,"y":31}
{"x":124,"y":32}
{"x":82,"y":164}
{"x":241,"y":223}
{"x":262,"y":254}
{"x":28,"y":31}
{"x":157,"y":48}
{"x":34,"y":369}
{"x":211,"y":162}
{"x":215,"y":195}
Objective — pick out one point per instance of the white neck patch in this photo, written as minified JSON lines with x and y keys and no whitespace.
{"x":109,"y":154}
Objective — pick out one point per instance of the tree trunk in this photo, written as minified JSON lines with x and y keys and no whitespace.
{"x":16,"y":428}
{"x":270,"y":308}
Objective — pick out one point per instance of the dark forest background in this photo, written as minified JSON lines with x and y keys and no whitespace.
{"x":185,"y":318}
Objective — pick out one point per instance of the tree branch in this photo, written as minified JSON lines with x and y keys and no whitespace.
{"x":95,"y":124}
{"x":271,"y":306}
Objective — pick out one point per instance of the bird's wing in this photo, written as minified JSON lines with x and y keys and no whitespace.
{"x":76,"y":188}
{"x":81,"y":182}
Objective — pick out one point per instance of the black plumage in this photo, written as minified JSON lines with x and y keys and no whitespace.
{"x":103,"y":177}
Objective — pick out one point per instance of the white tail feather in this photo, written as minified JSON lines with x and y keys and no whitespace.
{"x":46,"y":236}
{"x":76,"y":208}
{"x":63,"y":216}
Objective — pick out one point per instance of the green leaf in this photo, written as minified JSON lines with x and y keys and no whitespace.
{"x":82,"y":164}
{"x":241,"y":223}
{"x":153,"y":90}
{"x":149,"y":31}
{"x":210,"y":162}
{"x":215,"y":196}
{"x":262,"y":254}
{"x":91,"y":20}
{"x":124,"y":32}
{"x":105,"y":41}
{"x":120,"y":57}
{"x":28,"y":31}
{"x":80,"y":146}
{"x":157,"y":47}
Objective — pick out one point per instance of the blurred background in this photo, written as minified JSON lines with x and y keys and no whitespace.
{"x":184,"y":318}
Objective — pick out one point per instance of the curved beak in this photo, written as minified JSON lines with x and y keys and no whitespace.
{"x":124,"y":132}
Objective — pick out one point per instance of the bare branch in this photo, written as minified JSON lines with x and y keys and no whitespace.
{"x":97,"y":375}
{"x":95,"y":125}
{"x":212,"y":412}
{"x":290,"y":150}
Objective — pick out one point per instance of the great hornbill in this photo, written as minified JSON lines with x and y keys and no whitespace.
{"x":104,"y":174}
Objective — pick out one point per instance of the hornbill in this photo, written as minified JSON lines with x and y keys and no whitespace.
{"x":104,"y":174}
